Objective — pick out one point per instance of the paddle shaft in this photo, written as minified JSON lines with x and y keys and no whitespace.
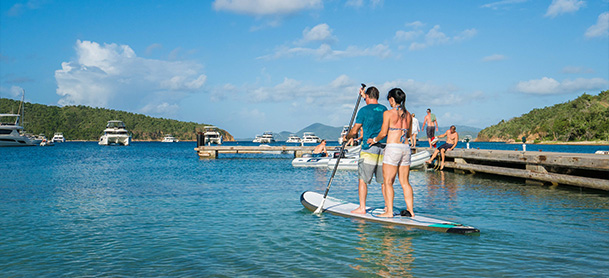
{"x":342,"y":150}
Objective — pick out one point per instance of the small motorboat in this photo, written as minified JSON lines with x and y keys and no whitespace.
{"x":309,"y":160}
{"x":350,"y":162}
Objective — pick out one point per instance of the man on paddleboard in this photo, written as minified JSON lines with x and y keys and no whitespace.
{"x":370,"y":119}
{"x":432,"y":126}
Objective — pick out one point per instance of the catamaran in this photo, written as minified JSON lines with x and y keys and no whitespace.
{"x":115,"y":134}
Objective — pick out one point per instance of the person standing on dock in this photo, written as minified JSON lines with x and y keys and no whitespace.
{"x":397,"y":124}
{"x":415,"y":130}
{"x":370,"y":119}
{"x":432,"y":126}
{"x":452,"y":137}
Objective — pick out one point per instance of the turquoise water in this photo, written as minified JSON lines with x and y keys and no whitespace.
{"x":155,"y":210}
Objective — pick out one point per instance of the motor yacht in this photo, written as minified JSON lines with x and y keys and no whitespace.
{"x":293,"y":138}
{"x":10,"y":132}
{"x":169,"y":139}
{"x":212,"y":136}
{"x":115,"y":134}
{"x":310,"y":137}
{"x":58,"y":138}
{"x":267,"y":137}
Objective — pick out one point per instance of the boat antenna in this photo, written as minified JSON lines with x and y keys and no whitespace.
{"x":341,"y":151}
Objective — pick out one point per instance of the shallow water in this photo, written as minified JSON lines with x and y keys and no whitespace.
{"x":155,"y":209}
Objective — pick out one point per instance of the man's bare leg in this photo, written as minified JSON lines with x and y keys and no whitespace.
{"x":362,"y":189}
{"x":433,"y":156}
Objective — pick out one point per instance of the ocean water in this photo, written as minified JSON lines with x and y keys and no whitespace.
{"x":156,"y":210}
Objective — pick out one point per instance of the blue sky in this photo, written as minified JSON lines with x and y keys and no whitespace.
{"x":273,"y":65}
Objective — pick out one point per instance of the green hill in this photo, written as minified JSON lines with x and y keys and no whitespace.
{"x":87,"y":123}
{"x":583,"y":119}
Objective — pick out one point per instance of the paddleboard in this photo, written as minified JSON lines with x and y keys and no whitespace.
{"x":312,"y":200}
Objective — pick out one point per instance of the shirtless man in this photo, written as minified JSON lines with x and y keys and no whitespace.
{"x":432,"y":125}
{"x":452,"y":137}
{"x":320,"y":150}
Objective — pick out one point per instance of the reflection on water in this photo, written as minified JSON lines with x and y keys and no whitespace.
{"x":387,"y":254}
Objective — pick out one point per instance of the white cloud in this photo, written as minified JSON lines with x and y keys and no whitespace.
{"x":601,"y":28}
{"x":415,"y":24}
{"x":332,"y":103}
{"x":12,"y":92}
{"x":325,"y":52}
{"x":494,"y":57}
{"x":401,"y":35}
{"x":266,"y":7}
{"x":19,"y":8}
{"x":319,"y":33}
{"x":360,"y":3}
{"x":435,"y":37}
{"x":151,"y":48}
{"x":504,"y":3}
{"x":112,"y":76}
{"x":559,"y":7}
{"x":549,"y":86}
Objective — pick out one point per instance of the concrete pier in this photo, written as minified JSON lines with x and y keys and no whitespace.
{"x":582,"y":170}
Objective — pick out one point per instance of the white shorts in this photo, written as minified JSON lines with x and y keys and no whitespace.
{"x":397,"y":154}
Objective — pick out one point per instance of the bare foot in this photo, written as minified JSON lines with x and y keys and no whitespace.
{"x":387,"y":214}
{"x":442,"y":166}
{"x":359,"y":211}
{"x":428,"y":161}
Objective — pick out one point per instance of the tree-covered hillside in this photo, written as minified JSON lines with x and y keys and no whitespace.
{"x":86,"y":123}
{"x":583,"y":119}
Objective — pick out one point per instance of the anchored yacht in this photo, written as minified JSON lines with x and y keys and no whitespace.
{"x":212,"y":136}
{"x":170,"y":139}
{"x":115,"y":134}
{"x":293,"y":139}
{"x":10,"y":132}
{"x":310,"y":137}
{"x":58,"y":138}
{"x":267,"y":137}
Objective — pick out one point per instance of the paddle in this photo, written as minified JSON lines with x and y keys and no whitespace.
{"x":342,"y":150}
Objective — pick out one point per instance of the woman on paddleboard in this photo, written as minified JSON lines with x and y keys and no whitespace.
{"x":396,"y":161}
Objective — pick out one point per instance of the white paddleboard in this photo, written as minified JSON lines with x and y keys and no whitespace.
{"x":312,"y":200}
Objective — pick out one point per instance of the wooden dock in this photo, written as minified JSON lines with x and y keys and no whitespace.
{"x":582,"y":170}
{"x":214,"y":151}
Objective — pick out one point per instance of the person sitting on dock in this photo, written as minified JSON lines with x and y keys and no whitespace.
{"x":320,"y":150}
{"x":452,"y":137}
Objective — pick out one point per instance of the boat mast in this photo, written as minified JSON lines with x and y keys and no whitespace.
{"x":20,"y":110}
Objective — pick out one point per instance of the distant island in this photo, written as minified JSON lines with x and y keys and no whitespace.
{"x":87,"y":123}
{"x":585,"y":119}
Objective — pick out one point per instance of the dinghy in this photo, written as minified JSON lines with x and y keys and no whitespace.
{"x":350,"y":163}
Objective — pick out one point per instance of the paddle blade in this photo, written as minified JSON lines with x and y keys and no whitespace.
{"x":320,"y":208}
